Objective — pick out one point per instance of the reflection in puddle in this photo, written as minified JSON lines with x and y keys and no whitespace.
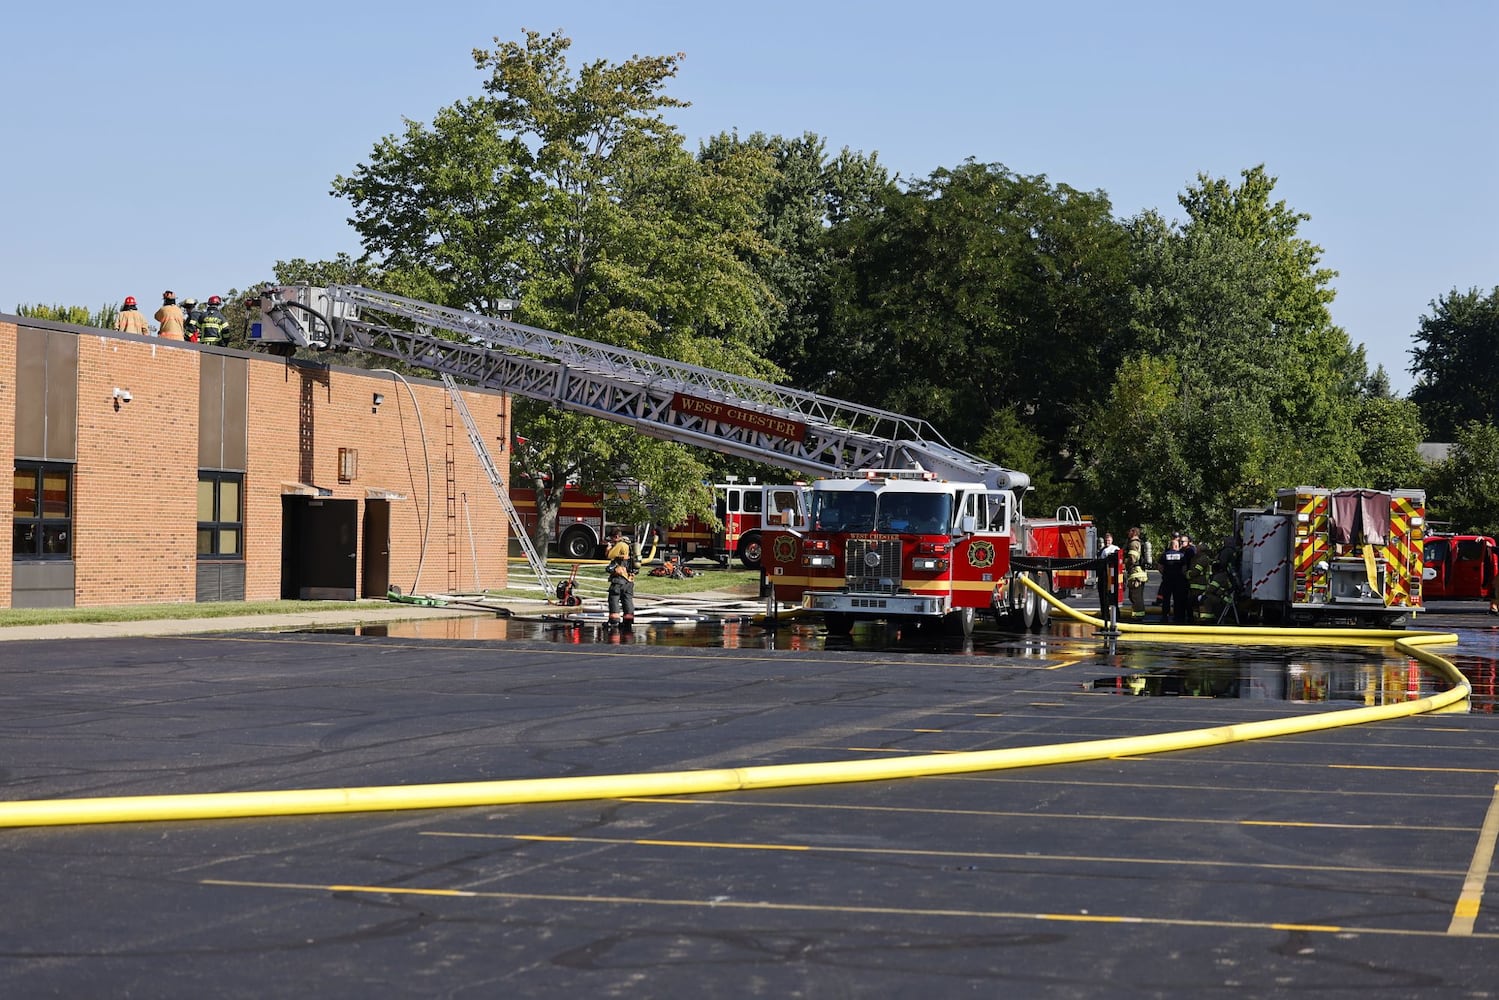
{"x":1366,"y":675}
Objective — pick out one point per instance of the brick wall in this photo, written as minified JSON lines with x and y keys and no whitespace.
{"x":135,"y":517}
{"x":7,"y":434}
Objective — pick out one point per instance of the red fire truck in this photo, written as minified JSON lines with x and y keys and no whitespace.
{"x":743,"y":511}
{"x":907,"y":546}
{"x":1459,"y":567}
{"x":582,"y":525}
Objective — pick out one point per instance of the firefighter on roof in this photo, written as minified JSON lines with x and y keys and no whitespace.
{"x":130,"y":319}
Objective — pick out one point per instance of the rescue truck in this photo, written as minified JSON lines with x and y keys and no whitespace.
{"x":973,"y":558}
{"x":1332,"y":557}
{"x":909,"y":547}
{"x":1458,"y":567}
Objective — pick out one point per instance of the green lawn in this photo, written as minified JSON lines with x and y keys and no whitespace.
{"x":591,"y":583}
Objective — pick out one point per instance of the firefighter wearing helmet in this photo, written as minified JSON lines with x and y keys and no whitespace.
{"x":130,"y":319}
{"x":191,"y":313}
{"x":172,"y":322}
{"x":211,"y":321}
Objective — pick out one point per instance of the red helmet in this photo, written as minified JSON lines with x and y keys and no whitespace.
{"x":214,"y":300}
{"x":130,"y":300}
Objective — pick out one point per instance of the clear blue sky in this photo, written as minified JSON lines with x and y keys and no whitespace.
{"x":190,"y":146}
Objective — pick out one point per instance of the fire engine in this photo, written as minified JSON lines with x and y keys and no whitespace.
{"x":1315,"y":555}
{"x":1459,"y":567}
{"x":743,"y":511}
{"x":970,"y":558}
{"x":907,"y":546}
{"x":582,"y":523}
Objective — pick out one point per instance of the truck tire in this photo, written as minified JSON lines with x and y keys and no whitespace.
{"x":1028,"y":606}
{"x":838,"y":623}
{"x":750,"y":550}
{"x":960,"y":622}
{"x":578,"y":543}
{"x":1042,"y":619}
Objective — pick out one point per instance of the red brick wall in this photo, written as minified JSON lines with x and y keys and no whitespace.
{"x":7,"y":435}
{"x":135,"y":486}
{"x":135,"y":517}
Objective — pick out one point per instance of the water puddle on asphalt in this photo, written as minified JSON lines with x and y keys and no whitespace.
{"x":1368,"y":675}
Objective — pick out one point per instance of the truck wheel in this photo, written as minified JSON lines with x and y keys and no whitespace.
{"x":749,"y":550}
{"x":960,"y":622}
{"x":1043,"y":610}
{"x":1028,"y":606}
{"x":577,"y":543}
{"x":838,"y":623}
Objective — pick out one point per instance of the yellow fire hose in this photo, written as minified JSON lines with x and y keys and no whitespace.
{"x":225,"y":805}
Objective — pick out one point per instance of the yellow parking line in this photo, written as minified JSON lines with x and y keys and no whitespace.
{"x":891,"y":911}
{"x":1465,"y":913}
{"x":1110,"y":859}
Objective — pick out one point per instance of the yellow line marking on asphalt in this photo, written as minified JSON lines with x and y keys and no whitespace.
{"x":1109,"y":859}
{"x":891,"y":911}
{"x":1465,"y":913}
{"x":626,"y":840}
{"x":1406,"y":768}
{"x":1088,"y":817}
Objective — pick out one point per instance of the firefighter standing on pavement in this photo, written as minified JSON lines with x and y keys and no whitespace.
{"x":621,"y":573}
{"x":172,"y":322}
{"x":1174,"y":582}
{"x":1135,"y":573}
{"x":211,"y":323}
{"x":1199,"y":575}
{"x":130,"y":319}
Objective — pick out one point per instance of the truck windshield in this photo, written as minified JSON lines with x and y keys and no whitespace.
{"x":915,"y":513}
{"x":842,"y":511}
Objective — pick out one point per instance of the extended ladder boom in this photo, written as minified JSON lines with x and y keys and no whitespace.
{"x":791,"y":428}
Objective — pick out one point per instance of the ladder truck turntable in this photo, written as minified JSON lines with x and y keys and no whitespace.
{"x":924,"y":533}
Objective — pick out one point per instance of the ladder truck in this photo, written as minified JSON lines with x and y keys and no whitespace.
{"x":960,"y":546}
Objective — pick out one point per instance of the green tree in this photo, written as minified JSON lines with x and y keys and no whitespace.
{"x":1456,"y":362}
{"x":1389,"y":430}
{"x":76,"y":315}
{"x":570,"y":192}
{"x":809,"y":195}
{"x":1268,"y":391}
{"x":979,"y":290}
{"x":1465,"y":488}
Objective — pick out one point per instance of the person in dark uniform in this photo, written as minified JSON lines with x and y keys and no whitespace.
{"x":1174,"y":588}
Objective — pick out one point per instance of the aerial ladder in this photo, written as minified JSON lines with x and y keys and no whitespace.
{"x":533,"y":558}
{"x":804,"y":432}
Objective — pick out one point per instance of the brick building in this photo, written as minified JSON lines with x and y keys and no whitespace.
{"x":149,"y":470}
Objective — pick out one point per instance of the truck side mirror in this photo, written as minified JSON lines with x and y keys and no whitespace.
{"x":969,"y":524}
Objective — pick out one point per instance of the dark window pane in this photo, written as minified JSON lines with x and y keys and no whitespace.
{"x":55,"y":538}
{"x":205,"y":541}
{"x":55,"y":494}
{"x":24,"y":540}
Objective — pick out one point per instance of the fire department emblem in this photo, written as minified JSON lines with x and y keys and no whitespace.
{"x":981,"y":554}
{"x":785,"y":549}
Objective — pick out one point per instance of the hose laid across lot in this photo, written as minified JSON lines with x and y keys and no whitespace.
{"x":225,"y":805}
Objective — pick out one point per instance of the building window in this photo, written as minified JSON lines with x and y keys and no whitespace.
{"x":43,"y":511}
{"x":221,"y":515}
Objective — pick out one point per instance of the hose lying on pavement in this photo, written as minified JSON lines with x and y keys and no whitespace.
{"x":301,"y":802}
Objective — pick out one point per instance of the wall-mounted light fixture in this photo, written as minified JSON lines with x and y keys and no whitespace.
{"x":375,"y":403}
{"x":121,"y":396}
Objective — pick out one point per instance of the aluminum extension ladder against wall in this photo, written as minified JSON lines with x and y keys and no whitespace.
{"x":538,"y":565}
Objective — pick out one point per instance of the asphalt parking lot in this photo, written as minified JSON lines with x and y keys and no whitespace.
{"x":1344,"y":862}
